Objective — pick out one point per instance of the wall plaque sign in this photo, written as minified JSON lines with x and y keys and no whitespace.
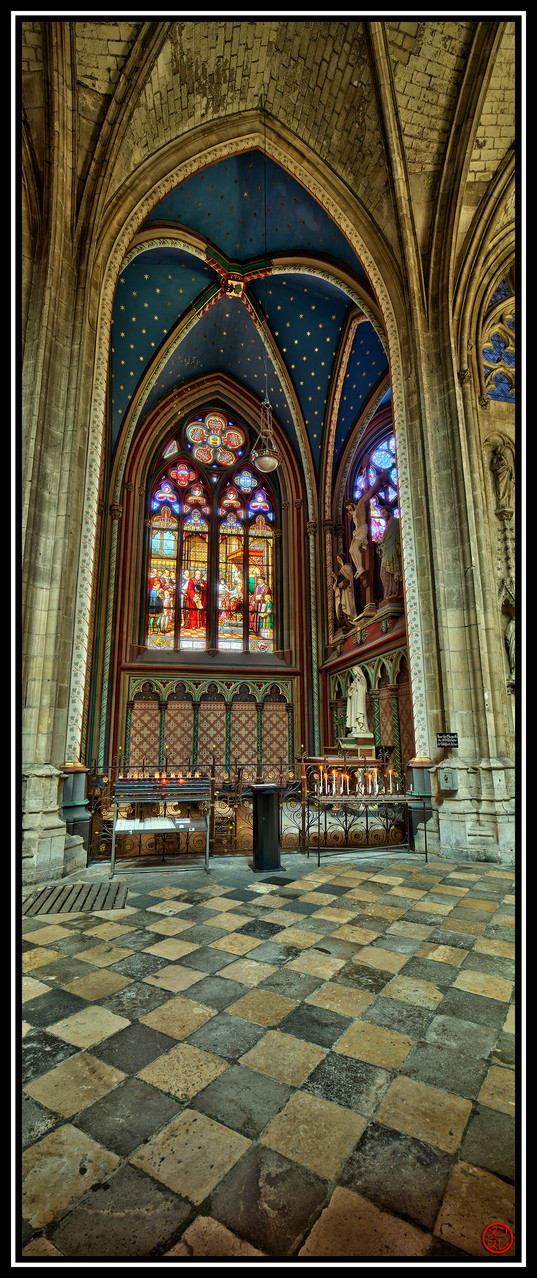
{"x":447,"y":739}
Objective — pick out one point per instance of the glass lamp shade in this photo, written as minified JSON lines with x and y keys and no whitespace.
{"x":265,"y":455}
{"x":265,"y":461}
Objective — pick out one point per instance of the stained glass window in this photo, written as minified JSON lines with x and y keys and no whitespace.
{"x":381,"y":458}
{"x":211,"y":572}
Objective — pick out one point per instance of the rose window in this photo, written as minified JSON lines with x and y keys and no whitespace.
{"x":213,"y":441}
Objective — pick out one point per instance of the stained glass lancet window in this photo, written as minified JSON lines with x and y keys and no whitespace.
{"x":498,"y":353}
{"x":211,"y":565}
{"x":380,"y":459}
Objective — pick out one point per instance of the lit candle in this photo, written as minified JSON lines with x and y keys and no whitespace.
{"x":333,"y":782}
{"x":390,"y":776}
{"x":347,"y":779}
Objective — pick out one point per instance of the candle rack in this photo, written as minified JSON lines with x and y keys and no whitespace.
{"x":138,"y":791}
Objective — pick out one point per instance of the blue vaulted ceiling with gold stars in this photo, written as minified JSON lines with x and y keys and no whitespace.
{"x":239,"y":260}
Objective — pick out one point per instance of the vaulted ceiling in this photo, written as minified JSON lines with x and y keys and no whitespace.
{"x":411,"y":121}
{"x":240,"y":270}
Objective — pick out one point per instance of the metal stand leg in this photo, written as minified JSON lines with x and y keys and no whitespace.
{"x":113,"y":856}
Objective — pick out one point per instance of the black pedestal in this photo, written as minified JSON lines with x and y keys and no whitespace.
{"x":266,"y":827}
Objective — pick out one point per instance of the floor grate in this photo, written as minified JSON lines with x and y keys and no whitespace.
{"x":72,"y":898}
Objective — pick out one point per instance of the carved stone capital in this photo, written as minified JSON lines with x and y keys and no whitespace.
{"x":116,"y":511}
{"x":464,"y":376}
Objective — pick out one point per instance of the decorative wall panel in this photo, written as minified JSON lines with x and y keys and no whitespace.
{"x":275,"y":736}
{"x":386,"y":717}
{"x":211,"y":734}
{"x":243,"y":736}
{"x":145,"y":734}
{"x":179,"y":732}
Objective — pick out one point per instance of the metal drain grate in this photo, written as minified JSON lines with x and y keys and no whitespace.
{"x":73,"y":898}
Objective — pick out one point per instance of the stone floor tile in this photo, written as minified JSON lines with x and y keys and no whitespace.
{"x":461,"y":1036}
{"x":30,"y":988}
{"x":40,"y":1246}
{"x":236,"y":943}
{"x":178,"y":1016}
{"x":170,"y":926}
{"x":36,"y":1121}
{"x":88,"y":1026}
{"x":419,"y":931}
{"x":452,"y":1069}
{"x":133,"y":1047}
{"x":125,"y":1118}
{"x":207,"y":1237}
{"x":130,"y":1215}
{"x":314,"y":1132}
{"x":248,"y":971}
{"x":352,"y":1226}
{"x":191,"y":1154}
{"x":47,"y":934}
{"x":54,"y":1005}
{"x":362,"y":976}
{"x":419,"y":993}
{"x":173,"y":977}
{"x":97,"y":984}
{"x":500,"y":949}
{"x":59,"y":1170}
{"x":269,"y":1200}
{"x":213,"y":991}
{"x":207,"y":959}
{"x":427,"y":1113}
{"x":183,"y":1071}
{"x":498,"y":1090}
{"x":262,"y":1006}
{"x":227,"y":1036}
{"x":243,"y":1100}
{"x":386,"y":960}
{"x":283,"y":1057}
{"x":134,"y":999}
{"x":349,"y":1082}
{"x":38,"y":956}
{"x":481,"y":983}
{"x":170,"y":948}
{"x":315,"y":1024}
{"x":314,"y":963}
{"x":451,"y":954}
{"x":473,"y":1007}
{"x":398,"y":1174}
{"x":42,"y":1051}
{"x":138,"y":965}
{"x":376,"y":1044}
{"x":473,"y":1199}
{"x":74,"y":1083}
{"x":394,"y":1014}
{"x":340,"y":998}
{"x":490,"y":1142}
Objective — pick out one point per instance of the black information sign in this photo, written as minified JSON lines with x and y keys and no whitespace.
{"x":447,"y":739}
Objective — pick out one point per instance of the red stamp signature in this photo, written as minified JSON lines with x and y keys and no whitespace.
{"x":497,"y":1237}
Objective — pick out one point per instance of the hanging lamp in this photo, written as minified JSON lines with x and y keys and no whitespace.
{"x":265,"y":455}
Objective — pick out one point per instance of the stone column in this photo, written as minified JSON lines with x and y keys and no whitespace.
{"x":55,"y":391}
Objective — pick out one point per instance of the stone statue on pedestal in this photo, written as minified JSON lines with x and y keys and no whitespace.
{"x":356,"y":707}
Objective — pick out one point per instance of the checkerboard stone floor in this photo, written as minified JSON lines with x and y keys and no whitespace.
{"x":313,"y":1062}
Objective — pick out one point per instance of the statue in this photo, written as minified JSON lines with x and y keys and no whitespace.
{"x":391,"y":564}
{"x":344,"y":593}
{"x":501,"y":465}
{"x":356,"y":709}
{"x":358,"y":510}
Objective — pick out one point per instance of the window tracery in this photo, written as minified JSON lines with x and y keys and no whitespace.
{"x":498,"y":344}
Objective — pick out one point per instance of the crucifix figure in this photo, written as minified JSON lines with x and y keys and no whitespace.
{"x":358,"y":510}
